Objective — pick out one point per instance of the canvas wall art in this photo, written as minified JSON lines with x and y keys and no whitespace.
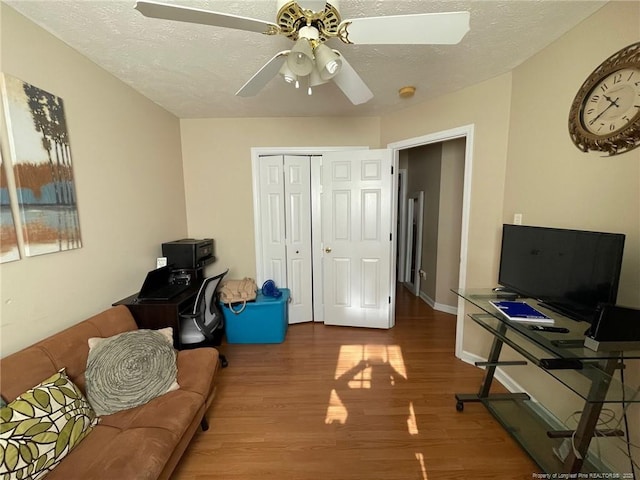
{"x":9,"y":250}
{"x":42,"y":168}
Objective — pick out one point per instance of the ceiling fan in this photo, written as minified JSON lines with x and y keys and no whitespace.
{"x":309,"y":24}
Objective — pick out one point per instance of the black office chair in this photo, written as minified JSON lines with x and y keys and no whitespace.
{"x":204,"y":325}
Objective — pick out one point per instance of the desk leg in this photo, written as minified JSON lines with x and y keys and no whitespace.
{"x":494,"y":355}
{"x":589,"y":419}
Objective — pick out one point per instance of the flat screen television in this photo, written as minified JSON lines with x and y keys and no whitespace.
{"x":571,"y":271}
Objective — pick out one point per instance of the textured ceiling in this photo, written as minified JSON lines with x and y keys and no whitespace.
{"x":194,"y":71}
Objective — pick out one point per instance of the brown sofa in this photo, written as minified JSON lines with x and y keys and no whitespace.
{"x":145,"y":442}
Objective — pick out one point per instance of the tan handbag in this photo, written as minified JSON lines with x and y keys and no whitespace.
{"x":238,"y":291}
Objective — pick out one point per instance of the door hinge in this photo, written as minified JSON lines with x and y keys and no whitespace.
{"x":389,"y":300}
{"x":391,"y":237}
{"x":391,"y":169}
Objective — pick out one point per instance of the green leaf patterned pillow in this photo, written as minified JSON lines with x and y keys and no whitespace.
{"x":41,"y":427}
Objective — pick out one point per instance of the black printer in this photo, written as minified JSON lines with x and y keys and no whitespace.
{"x":189,"y":254}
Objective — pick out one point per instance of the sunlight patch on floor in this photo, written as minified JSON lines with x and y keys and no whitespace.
{"x":336,"y":411}
{"x":420,"y":458}
{"x":358,"y":367}
{"x":412,"y":424}
{"x":353,"y":356}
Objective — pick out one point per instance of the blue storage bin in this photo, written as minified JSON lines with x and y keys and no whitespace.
{"x":263,"y":321}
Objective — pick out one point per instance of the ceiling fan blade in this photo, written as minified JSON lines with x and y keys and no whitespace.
{"x":205,"y":17}
{"x":313,"y":5}
{"x":418,"y":29}
{"x":348,"y":80}
{"x":263,"y":76}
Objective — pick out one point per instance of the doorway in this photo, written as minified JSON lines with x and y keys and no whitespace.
{"x":466,"y":133}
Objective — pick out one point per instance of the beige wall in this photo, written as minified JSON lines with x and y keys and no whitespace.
{"x":423,"y":175}
{"x":128,"y":176}
{"x":217,"y":164}
{"x":549,"y":180}
{"x":450,"y":221}
{"x":552,"y":183}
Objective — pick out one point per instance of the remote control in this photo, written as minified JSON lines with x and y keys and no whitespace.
{"x":546,"y":328}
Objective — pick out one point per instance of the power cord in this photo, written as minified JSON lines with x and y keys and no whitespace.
{"x":606,"y":422}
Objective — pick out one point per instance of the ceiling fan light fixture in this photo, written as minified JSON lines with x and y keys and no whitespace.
{"x":287,"y":74}
{"x":315,"y":78}
{"x":327,"y":62}
{"x":300,"y":60}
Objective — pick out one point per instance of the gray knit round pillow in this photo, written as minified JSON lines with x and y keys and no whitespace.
{"x":128,"y":370}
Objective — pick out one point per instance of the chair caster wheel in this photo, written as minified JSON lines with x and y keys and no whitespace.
{"x":223,"y":361}
{"x":459,"y":406}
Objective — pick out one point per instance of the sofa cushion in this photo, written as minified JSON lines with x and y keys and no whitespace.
{"x":111,"y":453}
{"x":196,"y":369}
{"x":41,"y":426}
{"x":129,"y":369}
{"x":172,"y":412}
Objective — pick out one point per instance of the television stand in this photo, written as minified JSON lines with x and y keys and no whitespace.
{"x":590,"y":375}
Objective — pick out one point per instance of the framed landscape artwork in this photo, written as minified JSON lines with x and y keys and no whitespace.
{"x":9,"y":250}
{"x":42,"y":168}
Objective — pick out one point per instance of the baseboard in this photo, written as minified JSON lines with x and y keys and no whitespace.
{"x":440,"y":307}
{"x":428,"y":300}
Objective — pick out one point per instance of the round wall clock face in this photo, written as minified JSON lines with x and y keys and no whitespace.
{"x":605,"y":114}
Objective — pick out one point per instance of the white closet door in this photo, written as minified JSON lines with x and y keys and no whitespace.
{"x":285,"y":211}
{"x":356,"y":235}
{"x":297,"y":194}
{"x":272,"y":220}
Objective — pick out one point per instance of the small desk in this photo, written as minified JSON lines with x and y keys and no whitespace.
{"x":155,"y":314}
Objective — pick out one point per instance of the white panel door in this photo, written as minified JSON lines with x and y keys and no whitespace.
{"x":356,"y":236}
{"x":272,"y":219}
{"x":297,"y":207}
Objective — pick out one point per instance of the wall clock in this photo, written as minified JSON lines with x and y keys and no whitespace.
{"x":605,"y":114}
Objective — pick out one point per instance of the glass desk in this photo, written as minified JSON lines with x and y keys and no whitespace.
{"x":589,"y":374}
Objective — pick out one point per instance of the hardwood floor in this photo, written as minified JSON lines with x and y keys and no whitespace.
{"x":341,"y":403}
